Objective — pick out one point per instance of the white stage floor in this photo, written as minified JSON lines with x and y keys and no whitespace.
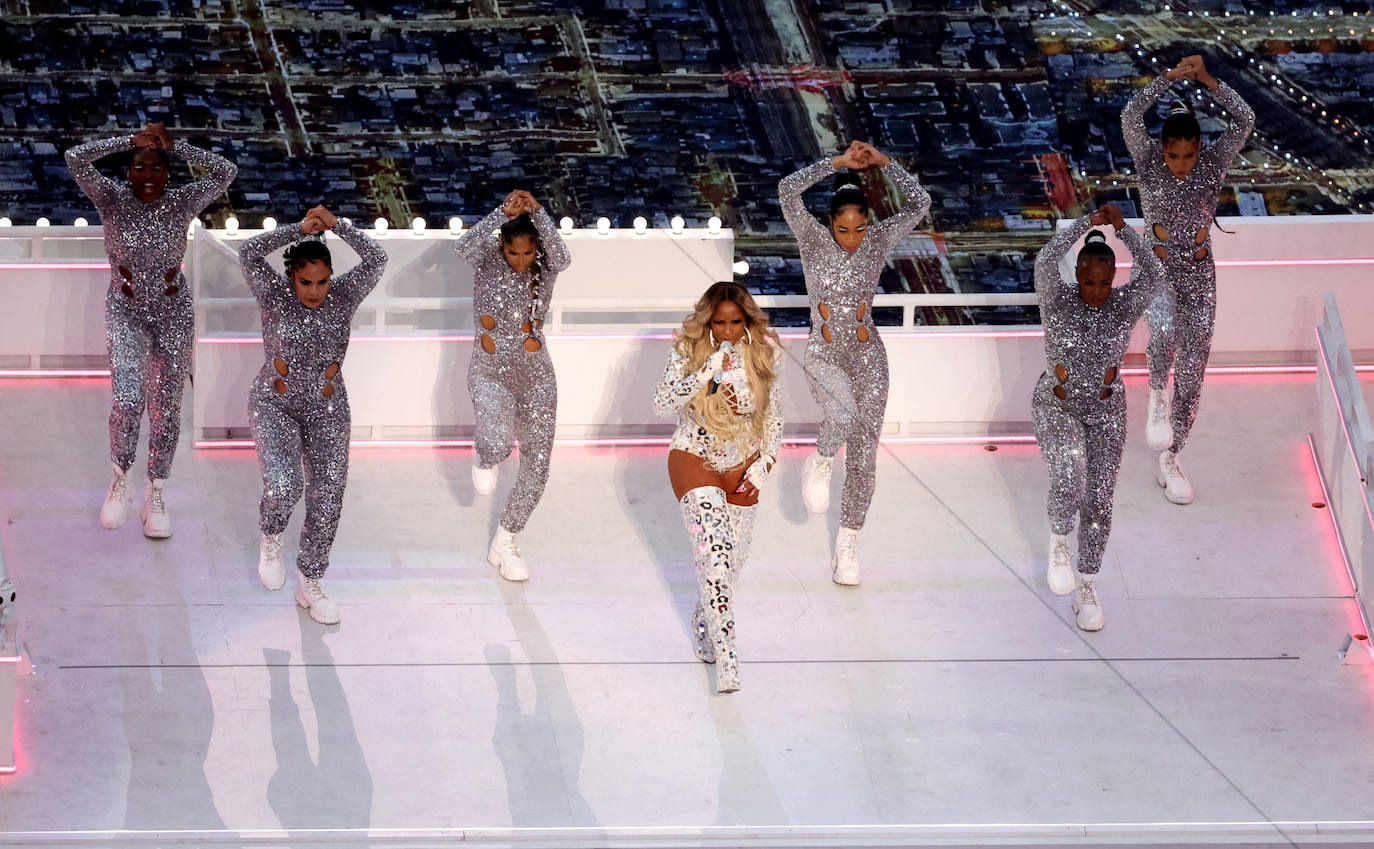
{"x":948,"y":698}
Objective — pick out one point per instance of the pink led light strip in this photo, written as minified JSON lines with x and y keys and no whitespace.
{"x":1129,"y":371}
{"x":639,"y":441}
{"x":54,"y":266}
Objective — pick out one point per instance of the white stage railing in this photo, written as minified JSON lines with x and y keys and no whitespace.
{"x":611,"y":317}
{"x":1343,"y":448}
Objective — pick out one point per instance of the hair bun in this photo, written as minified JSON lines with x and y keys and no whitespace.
{"x":1096,"y":237}
{"x":849,"y":187}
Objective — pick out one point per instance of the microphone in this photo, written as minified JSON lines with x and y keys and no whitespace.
{"x":725,"y":348}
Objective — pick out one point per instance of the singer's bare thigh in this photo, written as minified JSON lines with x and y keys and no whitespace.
{"x":688,"y":471}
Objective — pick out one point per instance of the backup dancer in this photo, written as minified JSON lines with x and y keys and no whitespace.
{"x":724,"y":382}
{"x":298,"y":404}
{"x":1079,"y":406}
{"x":149,"y":314}
{"x":510,"y":376}
{"x":1180,"y":184}
{"x":846,"y":363}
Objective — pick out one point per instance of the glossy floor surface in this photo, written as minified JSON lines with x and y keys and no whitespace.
{"x":949,"y":697}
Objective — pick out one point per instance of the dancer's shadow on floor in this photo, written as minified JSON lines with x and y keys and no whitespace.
{"x":168,"y":712}
{"x":540,"y":751}
{"x":647,"y":500}
{"x":334,"y":791}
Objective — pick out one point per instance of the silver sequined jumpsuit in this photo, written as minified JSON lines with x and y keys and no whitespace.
{"x":302,"y":415}
{"x":721,"y":533}
{"x":149,"y":313}
{"x":848,"y":377}
{"x":1082,"y":433}
{"x":514,"y":390}
{"x":1177,"y":213}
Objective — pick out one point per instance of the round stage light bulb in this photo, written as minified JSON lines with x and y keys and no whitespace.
{"x":81,"y":222}
{"x":269,"y":223}
{"x":417,"y":226}
{"x":741,"y":268}
{"x":231,"y":225}
{"x":565,"y":224}
{"x":641,"y":225}
{"x":6,"y":222}
{"x":714,"y":225}
{"x":678,"y":224}
{"x":43,"y":222}
{"x":455,"y":225}
{"x":380,"y":225}
{"x":603,"y":225}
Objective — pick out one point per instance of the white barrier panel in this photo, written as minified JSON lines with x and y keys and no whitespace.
{"x":1343,"y":444}
{"x":1271,"y":273}
{"x":406,"y":369}
{"x":53,"y":281}
{"x":417,"y":390}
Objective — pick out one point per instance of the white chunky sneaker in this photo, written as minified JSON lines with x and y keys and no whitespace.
{"x":816,"y":482}
{"x":504,"y":554}
{"x":271,"y":571}
{"x":1060,"y":574}
{"x":310,"y":595}
{"x":484,"y":480}
{"x":1086,"y":606}
{"x":844,"y":564}
{"x":1171,"y":477}
{"x":1159,"y":431}
{"x":156,"y":523}
{"x":115,"y":511}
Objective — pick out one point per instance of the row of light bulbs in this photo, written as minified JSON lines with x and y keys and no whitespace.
{"x":455,"y":225}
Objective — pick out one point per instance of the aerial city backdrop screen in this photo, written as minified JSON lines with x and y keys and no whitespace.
{"x":1009,"y":110}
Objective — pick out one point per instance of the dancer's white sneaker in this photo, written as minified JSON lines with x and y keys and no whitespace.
{"x":156,"y":523}
{"x":504,"y":554}
{"x":1159,"y":430}
{"x":844,"y":564}
{"x":271,"y":570}
{"x":1060,"y":573}
{"x":1171,"y":477}
{"x":115,"y":511}
{"x":816,"y":482}
{"x":484,"y":480}
{"x":310,"y":595}
{"x":1086,"y":607}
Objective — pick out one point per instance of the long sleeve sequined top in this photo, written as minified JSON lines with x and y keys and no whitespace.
{"x":1090,"y":341}
{"x":308,"y":340}
{"x":1183,"y":206}
{"x":677,"y":387}
{"x":148,"y":239}
{"x":834,"y":277}
{"x":512,"y":298}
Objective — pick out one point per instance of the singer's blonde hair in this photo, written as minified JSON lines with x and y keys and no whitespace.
{"x":694,"y":344}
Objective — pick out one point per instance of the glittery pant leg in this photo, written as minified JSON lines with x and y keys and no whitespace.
{"x":494,"y":406}
{"x":1163,"y":345}
{"x":278,"y":438}
{"x":536,"y":408}
{"x":1195,"y":319}
{"x":325,"y":440}
{"x":1083,"y":462}
{"x":853,"y":399}
{"x":314,"y":441}
{"x":705,"y":514}
{"x":149,"y":361}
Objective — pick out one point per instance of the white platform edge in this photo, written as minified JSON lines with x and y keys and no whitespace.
{"x":743,"y":836}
